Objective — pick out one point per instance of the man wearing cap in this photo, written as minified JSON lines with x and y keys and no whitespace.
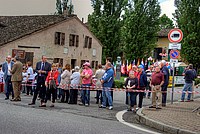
{"x":165,"y":71}
{"x":142,"y":83}
{"x":16,"y":78}
{"x":86,"y":76}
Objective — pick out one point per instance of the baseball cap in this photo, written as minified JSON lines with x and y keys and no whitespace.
{"x":86,"y":64}
{"x":140,"y":66}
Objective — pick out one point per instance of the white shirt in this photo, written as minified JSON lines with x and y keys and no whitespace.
{"x":9,"y":68}
{"x":1,"y":76}
{"x":30,"y":73}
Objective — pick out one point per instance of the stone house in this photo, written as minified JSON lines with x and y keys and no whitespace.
{"x":62,"y":39}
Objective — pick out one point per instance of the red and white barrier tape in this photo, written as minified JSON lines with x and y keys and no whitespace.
{"x":94,"y":88}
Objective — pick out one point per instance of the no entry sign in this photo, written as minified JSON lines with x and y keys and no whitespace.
{"x":175,"y":35}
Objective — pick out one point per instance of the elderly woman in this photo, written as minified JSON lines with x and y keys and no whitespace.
{"x":64,"y":84}
{"x":51,"y":84}
{"x":75,"y":80}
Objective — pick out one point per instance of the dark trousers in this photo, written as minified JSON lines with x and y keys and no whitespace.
{"x":8,"y":87}
{"x":65,"y":95}
{"x":29,"y":88}
{"x":99,"y":96}
{"x":164,"y":95}
{"x":51,"y":92}
{"x":73,"y":96}
{"x":40,"y":87}
{"x":141,"y":96}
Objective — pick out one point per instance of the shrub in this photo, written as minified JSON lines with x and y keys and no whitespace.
{"x":119,"y":84}
{"x":197,"y":81}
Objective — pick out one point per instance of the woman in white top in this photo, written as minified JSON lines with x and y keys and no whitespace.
{"x":64,"y":83}
{"x":30,"y":78}
{"x":75,"y":81}
{"x":98,"y":75}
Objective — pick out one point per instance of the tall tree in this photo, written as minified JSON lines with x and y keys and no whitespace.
{"x":141,"y":25}
{"x":187,"y":16}
{"x":62,"y":5}
{"x":166,"y":22}
{"x":105,"y":23}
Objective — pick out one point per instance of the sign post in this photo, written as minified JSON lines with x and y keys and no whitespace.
{"x":175,"y":36}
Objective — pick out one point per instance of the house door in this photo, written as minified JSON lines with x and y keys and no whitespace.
{"x":73,"y":63}
{"x":28,"y":57}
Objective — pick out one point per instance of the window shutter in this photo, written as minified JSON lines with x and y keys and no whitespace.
{"x":70,"y":39}
{"x":56,"y":38}
{"x":62,"y":38}
{"x":77,"y":40}
{"x":86,"y":41}
{"x":90,"y":43}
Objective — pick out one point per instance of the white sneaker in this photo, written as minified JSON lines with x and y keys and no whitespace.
{"x":86,"y":105}
{"x":110,"y":108}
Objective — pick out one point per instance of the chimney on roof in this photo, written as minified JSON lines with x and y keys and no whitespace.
{"x":82,"y":20}
{"x":65,"y":12}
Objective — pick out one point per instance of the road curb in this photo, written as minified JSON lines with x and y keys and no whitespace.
{"x":159,"y":125}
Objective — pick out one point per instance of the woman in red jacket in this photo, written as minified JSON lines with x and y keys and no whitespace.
{"x":51,"y":84}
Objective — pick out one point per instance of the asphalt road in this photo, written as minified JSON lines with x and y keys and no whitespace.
{"x":19,"y":118}
{"x":15,"y":119}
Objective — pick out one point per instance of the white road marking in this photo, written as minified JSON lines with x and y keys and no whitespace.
{"x":119,"y":117}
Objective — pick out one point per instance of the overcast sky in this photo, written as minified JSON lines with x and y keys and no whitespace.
{"x":81,"y":7}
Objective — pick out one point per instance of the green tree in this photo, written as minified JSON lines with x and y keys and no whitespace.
{"x":105,"y":23}
{"x":187,"y":17}
{"x":141,"y":25}
{"x":62,"y":5}
{"x":166,"y":22}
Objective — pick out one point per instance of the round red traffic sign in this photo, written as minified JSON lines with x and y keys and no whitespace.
{"x":174,"y":54}
{"x":175,"y":35}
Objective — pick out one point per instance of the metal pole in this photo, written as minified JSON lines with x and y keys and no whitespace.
{"x":172,"y":97}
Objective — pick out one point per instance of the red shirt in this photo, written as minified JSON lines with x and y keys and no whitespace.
{"x":52,"y":75}
{"x":157,"y":78}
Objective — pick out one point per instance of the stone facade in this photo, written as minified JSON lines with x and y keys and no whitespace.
{"x":42,"y":42}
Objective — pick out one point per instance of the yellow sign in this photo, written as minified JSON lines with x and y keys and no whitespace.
{"x":170,"y":81}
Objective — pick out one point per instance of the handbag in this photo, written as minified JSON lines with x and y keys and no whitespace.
{"x":52,"y":84}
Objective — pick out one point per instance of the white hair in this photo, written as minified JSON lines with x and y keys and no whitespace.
{"x":164,"y":62}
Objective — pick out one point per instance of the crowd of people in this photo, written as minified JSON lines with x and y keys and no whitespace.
{"x":49,"y":82}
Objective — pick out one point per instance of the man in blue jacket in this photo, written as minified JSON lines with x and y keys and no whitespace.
{"x":142,"y":83}
{"x":107,"y":81}
{"x":7,"y":65}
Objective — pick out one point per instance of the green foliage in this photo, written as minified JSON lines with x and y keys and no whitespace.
{"x":119,"y":84}
{"x":197,"y":81}
{"x":62,"y":5}
{"x":187,"y":16}
{"x":105,"y":23}
{"x":166,"y":22}
{"x":141,"y":25}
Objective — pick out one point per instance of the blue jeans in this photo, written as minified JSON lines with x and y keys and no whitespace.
{"x":85,"y":94}
{"x":8,"y":87}
{"x":107,"y":95}
{"x":187,"y":87}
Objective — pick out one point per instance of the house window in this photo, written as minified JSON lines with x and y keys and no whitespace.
{"x":96,"y":66}
{"x":88,"y":42}
{"x":93,"y":64}
{"x":73,"y":40}
{"x":59,"y":38}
